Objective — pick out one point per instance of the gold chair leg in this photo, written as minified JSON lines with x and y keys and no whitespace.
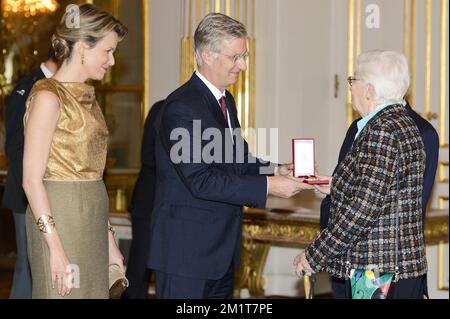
{"x":253,"y":260}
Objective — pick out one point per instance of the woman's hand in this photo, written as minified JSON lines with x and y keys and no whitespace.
{"x":62,"y":276}
{"x":115,"y":256}
{"x":302,"y":266}
{"x":324,"y":189}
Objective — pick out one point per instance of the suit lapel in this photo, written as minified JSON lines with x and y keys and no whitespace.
{"x":209,"y":100}
{"x":213,"y":108}
{"x":231,"y":106}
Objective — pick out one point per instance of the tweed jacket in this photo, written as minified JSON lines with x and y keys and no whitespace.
{"x":363,"y":198}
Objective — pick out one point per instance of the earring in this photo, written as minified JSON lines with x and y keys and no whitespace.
{"x":82,"y":58}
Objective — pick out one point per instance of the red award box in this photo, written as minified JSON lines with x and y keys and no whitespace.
{"x":303,"y":158}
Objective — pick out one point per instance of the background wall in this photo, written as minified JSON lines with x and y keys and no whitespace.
{"x":165,"y":36}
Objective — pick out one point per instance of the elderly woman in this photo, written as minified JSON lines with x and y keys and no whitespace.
{"x":376,"y":207}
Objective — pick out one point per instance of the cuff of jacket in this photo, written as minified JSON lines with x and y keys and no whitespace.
{"x":256,"y":192}
{"x":315,"y":258}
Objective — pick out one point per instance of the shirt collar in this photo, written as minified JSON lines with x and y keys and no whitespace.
{"x":48,"y":74}
{"x":215,"y":91}
{"x":363,"y":122}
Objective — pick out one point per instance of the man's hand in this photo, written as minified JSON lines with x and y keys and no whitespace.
{"x":286,"y":186}
{"x":285,"y":170}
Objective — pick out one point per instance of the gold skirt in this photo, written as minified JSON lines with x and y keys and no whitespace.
{"x":80,"y":212}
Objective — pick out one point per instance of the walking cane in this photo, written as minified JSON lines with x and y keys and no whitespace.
{"x":310,"y":284}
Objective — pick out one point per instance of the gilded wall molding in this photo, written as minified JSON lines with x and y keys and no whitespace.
{"x":276,"y":232}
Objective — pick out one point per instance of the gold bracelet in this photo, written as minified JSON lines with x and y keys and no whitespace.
{"x":46,"y":224}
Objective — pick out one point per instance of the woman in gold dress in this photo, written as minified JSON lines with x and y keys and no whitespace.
{"x":69,"y":244}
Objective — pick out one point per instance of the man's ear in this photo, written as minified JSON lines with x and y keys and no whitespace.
{"x":207,"y":57}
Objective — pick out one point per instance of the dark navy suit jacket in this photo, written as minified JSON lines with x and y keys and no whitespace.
{"x":141,"y":204}
{"x":141,"y":207}
{"x":196,"y":226}
{"x":14,"y":196}
{"x":430,"y":139}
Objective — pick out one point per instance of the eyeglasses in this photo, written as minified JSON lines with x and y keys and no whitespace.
{"x":235,"y":58}
{"x":352,"y":79}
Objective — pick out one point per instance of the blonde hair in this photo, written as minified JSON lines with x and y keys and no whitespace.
{"x":83,"y":23}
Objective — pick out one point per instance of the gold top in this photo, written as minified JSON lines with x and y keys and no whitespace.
{"x":79,"y":145}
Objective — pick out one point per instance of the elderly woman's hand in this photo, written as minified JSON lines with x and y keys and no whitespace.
{"x":324,"y":189}
{"x":302,"y":266}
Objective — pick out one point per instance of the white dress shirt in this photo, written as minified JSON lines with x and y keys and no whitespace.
{"x":48,"y":74}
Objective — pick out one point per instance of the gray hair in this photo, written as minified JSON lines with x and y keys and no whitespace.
{"x":387,"y":71}
{"x":212,"y":30}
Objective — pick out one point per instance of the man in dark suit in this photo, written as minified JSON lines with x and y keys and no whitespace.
{"x":204,"y":178}
{"x":430,"y":140}
{"x":14,"y":197}
{"x":141,"y":207}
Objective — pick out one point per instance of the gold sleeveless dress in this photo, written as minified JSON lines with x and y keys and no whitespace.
{"x":77,"y":194}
